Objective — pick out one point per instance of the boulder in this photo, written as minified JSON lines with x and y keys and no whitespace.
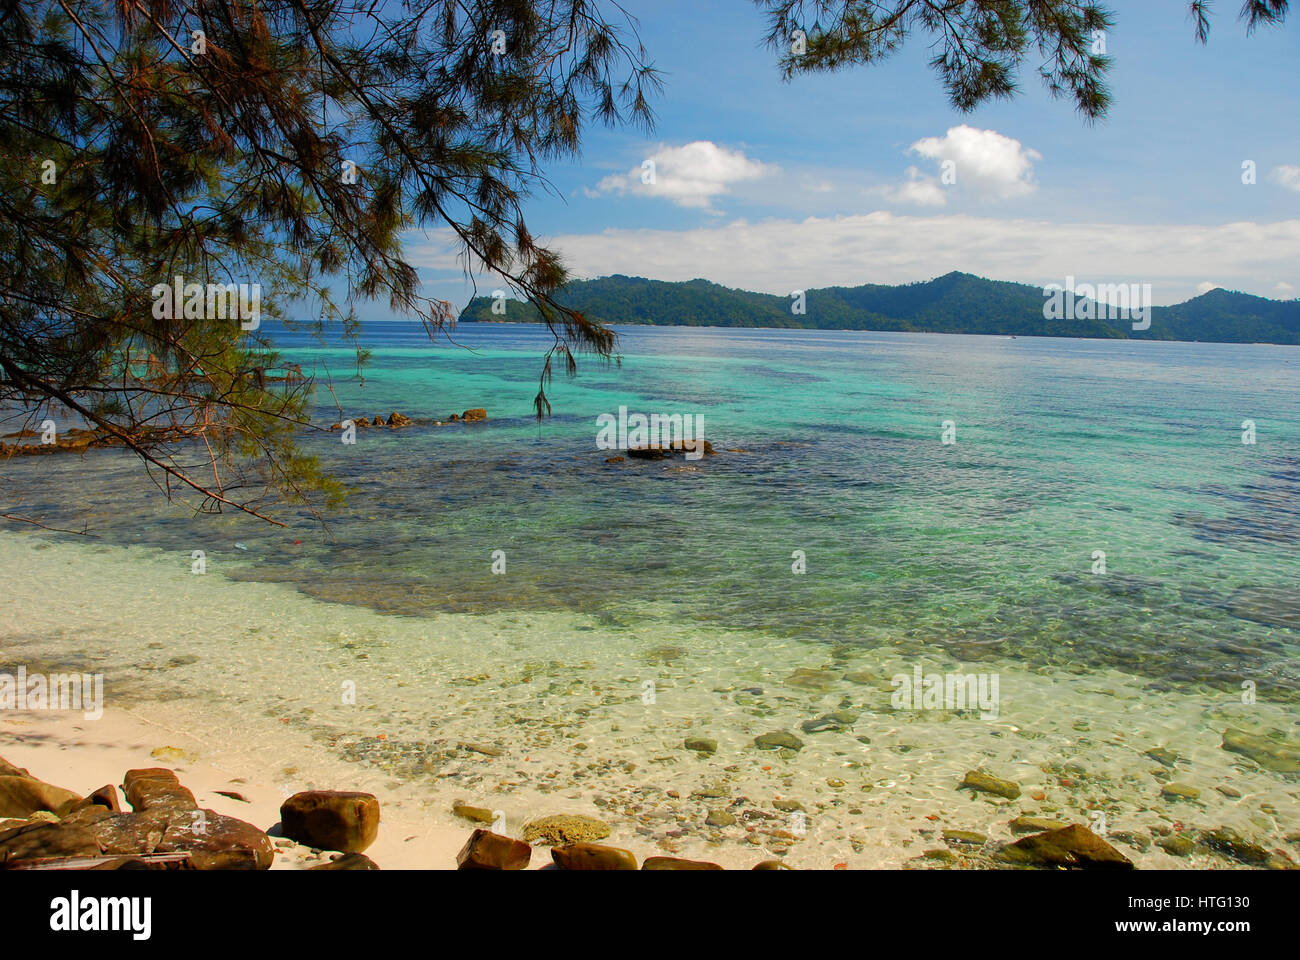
{"x":349,"y":861}
{"x":23,"y":796}
{"x":592,"y":856}
{"x":469,"y":416}
{"x":396,"y":419}
{"x":485,"y":850}
{"x":677,"y":863}
{"x":565,"y":828}
{"x":217,"y":842}
{"x":1072,"y":846}
{"x":35,"y":841}
{"x":771,"y":865}
{"x":331,"y":819}
{"x":155,"y":788}
{"x":379,"y":422}
{"x":130,"y":833}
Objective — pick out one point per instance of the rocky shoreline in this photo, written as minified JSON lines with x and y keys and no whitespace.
{"x":48,"y":827}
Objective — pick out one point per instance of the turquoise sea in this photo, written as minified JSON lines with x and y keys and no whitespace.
{"x":983,"y":554}
{"x":1062,"y":448}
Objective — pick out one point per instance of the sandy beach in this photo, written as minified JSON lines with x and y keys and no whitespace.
{"x":449,"y":711}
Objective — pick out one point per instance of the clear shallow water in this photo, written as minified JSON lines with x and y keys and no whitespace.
{"x":974,"y":557}
{"x":979,"y":548}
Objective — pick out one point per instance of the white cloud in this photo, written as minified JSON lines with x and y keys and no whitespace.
{"x":984,"y":161}
{"x":690,"y":175}
{"x":1205,"y":286}
{"x":919,"y":190}
{"x":777,"y":256}
{"x":1284,"y":290}
{"x":1289,"y":177}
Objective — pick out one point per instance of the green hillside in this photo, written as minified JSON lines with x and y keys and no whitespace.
{"x":953,"y":303}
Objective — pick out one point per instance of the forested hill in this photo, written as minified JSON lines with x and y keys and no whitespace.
{"x":953,"y":303}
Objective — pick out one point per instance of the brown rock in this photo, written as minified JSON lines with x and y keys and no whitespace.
{"x":349,"y":861}
{"x":592,"y":856}
{"x":23,"y":796}
{"x":1072,"y":846}
{"x":87,"y":815}
{"x":216,"y":842}
{"x":677,"y":863}
{"x":396,"y":419}
{"x":485,"y":850}
{"x":39,"y":840}
{"x":104,"y":798}
{"x":7,"y":769}
{"x":772,"y":865}
{"x":341,"y":820}
{"x":130,"y":833}
{"x":477,"y":413}
{"x":154,"y":788}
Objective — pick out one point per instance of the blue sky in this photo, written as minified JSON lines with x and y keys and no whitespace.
{"x":836,"y":179}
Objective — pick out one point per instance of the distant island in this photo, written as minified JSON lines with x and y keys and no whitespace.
{"x":954,"y":303}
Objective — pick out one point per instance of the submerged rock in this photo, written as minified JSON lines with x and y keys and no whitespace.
{"x":1227,"y":841}
{"x":778,"y":740}
{"x":1162,"y":756}
{"x":720,"y":818}
{"x":1035,"y":825}
{"x":1278,"y":756}
{"x":806,"y":678}
{"x":1072,"y":846}
{"x":1176,"y":845}
{"x":476,"y":814}
{"x":701,"y":745}
{"x":1179,"y":791}
{"x":835,"y":720}
{"x":985,"y":783}
{"x":565,"y":828}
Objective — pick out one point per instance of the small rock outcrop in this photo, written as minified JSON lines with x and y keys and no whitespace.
{"x":485,"y":850}
{"x":592,"y":856}
{"x":1072,"y":846}
{"x":341,"y":820}
{"x":565,"y":828}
